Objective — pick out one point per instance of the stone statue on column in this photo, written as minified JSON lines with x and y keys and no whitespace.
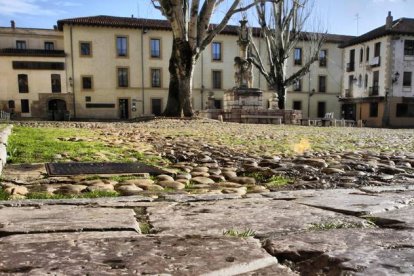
{"x":244,"y":69}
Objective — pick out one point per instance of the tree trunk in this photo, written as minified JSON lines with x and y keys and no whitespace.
{"x":281,"y":92}
{"x":173,"y":108}
{"x":181,"y":70}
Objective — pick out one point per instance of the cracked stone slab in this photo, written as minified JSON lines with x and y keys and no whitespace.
{"x":107,"y":201}
{"x":346,"y":251}
{"x":65,"y":219}
{"x":201,"y":197}
{"x":354,"y":202}
{"x":105,"y":254}
{"x":264,"y":216}
{"x":387,"y":189}
{"x":402,"y":218}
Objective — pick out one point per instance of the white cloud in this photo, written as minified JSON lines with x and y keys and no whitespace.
{"x":34,"y":7}
{"x":29,"y":7}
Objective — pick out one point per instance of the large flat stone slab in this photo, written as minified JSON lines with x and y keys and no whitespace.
{"x":105,"y":254}
{"x":402,"y":218}
{"x":264,"y":216}
{"x":347,"y":251}
{"x":65,"y":219}
{"x":357,"y":203}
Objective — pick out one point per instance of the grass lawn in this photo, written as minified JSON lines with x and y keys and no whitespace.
{"x":38,"y":145}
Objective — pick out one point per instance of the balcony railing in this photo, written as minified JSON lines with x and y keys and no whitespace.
{"x":350,"y":67}
{"x":375,"y":62}
{"x":349,"y":93}
{"x":31,"y":52}
{"x":374,"y":91}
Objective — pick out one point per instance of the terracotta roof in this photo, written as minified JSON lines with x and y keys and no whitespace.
{"x":156,"y":24}
{"x":31,"y":52}
{"x":402,"y":26}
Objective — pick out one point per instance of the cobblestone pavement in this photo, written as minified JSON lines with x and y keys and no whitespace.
{"x":243,"y":200}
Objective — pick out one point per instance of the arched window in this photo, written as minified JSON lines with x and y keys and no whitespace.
{"x":361,"y":55}
{"x":367,"y":54}
{"x":360,"y":80}
{"x":366,"y":81}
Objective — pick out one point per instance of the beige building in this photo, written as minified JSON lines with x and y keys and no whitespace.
{"x":378,"y":78}
{"x":117,"y":68}
{"x":33,"y":73}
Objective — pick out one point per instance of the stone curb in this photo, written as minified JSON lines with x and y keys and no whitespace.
{"x":4,"y":137}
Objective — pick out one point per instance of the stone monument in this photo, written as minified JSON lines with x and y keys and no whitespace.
{"x":243,"y":95}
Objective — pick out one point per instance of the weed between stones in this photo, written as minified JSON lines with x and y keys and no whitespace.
{"x":239,"y":234}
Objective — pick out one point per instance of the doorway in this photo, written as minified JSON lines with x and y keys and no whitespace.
{"x":156,"y":107}
{"x":321,"y":109}
{"x":57,"y":110}
{"x":124,"y":109}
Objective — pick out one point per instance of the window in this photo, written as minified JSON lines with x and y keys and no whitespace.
{"x":405,"y":110}
{"x":21,"y":44}
{"x":375,"y":84}
{"x":361,"y":55}
{"x":297,"y":105}
{"x":297,"y":56}
{"x":122,"y":46}
{"x":11,"y":104}
{"x":156,"y":77}
{"x":360,"y":80}
{"x":87,"y":83}
{"x":217,"y":104}
{"x":85,"y":49}
{"x":25,"y":106}
{"x":366,"y":81}
{"x":297,"y":85}
{"x":56,"y":83}
{"x":155,"y":48}
{"x":216,"y":79}
{"x":49,"y":46}
{"x":377,"y":51}
{"x":88,"y":99}
{"x":407,"y":79}
{"x":323,"y":56}
{"x":23,"y":82}
{"x":409,"y":48}
{"x":367,"y":54}
{"x":216,"y":51}
{"x":373,"y":110}
{"x":123,"y":77}
{"x":321,"y":109}
{"x":322,"y":83}
{"x":350,"y":67}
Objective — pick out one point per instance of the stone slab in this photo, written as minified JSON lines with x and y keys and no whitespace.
{"x":264,"y":216}
{"x":103,"y":254}
{"x":65,"y":219}
{"x":291,"y":195}
{"x":107,"y":202}
{"x":201,"y":197}
{"x":357,"y":203}
{"x":387,"y":189}
{"x":24,"y":172}
{"x":402,"y":218}
{"x":346,"y":251}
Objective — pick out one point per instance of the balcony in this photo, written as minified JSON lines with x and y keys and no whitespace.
{"x":349,"y":93}
{"x":374,"y":91}
{"x":375,"y":62}
{"x":31,"y":52}
{"x":350,"y":67}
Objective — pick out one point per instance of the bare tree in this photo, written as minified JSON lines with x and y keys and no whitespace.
{"x":282,"y":27}
{"x":192,"y":33}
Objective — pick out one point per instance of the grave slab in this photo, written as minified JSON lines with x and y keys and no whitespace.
{"x":264,"y":216}
{"x":346,"y":251}
{"x":357,"y":203}
{"x":105,"y":254}
{"x":65,"y":219}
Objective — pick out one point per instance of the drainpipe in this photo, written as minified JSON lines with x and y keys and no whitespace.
{"x":73,"y":72}
{"x":142,"y":70}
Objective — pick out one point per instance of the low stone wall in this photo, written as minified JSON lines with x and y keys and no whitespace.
{"x":4,"y":137}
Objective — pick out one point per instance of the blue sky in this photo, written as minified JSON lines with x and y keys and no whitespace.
{"x":337,"y":16}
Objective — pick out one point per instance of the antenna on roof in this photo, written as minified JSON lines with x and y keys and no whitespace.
{"x":357,"y":17}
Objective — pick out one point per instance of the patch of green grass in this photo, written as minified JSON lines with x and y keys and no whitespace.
{"x":278,"y":181}
{"x":329,"y":225}
{"x":121,"y":178}
{"x":94,"y":194}
{"x":145,"y":228}
{"x":3,"y":194}
{"x":239,"y":234}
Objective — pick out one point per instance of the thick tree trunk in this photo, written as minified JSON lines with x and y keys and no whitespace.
{"x":173,"y":108}
{"x":181,"y":70}
{"x":281,"y":92}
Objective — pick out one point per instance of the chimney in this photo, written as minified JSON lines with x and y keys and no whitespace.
{"x":13,"y":24}
{"x":390,"y":19}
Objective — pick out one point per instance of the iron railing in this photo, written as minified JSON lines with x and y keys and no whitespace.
{"x":4,"y":116}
